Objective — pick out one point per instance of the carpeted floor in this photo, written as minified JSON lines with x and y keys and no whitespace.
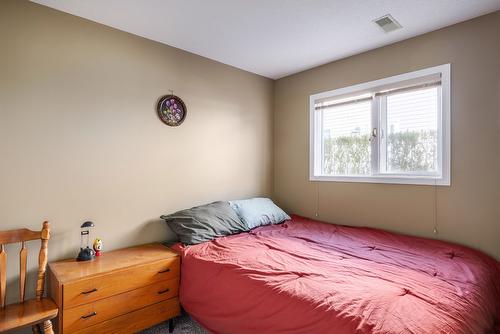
{"x":183,"y":325}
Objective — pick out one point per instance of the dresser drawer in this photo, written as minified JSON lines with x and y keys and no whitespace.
{"x":136,"y":321}
{"x":97,"y":287}
{"x":86,"y":315}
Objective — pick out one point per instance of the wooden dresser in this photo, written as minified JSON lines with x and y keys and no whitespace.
{"x":122,"y":291}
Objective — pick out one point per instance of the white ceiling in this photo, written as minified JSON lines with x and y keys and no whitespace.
{"x":274,"y":38}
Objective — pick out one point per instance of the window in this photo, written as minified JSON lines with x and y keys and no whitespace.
{"x":393,"y":130}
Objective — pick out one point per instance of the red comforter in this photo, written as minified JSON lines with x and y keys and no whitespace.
{"x":310,"y":277}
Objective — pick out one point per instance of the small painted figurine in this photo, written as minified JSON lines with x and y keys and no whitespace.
{"x":98,"y":247}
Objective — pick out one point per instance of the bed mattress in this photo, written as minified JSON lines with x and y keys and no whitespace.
{"x":305,"y":276}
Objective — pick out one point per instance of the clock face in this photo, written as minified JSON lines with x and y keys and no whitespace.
{"x":171,"y":110}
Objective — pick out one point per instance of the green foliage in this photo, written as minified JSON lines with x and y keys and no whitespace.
{"x":347,"y":155}
{"x":406,"y":152}
{"x":412,"y":151}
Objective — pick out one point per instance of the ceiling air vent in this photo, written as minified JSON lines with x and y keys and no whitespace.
{"x":387,"y":23}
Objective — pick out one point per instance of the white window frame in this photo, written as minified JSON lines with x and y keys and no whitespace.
{"x":442,"y":178}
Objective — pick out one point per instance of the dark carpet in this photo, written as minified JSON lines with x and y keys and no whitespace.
{"x":183,"y":325}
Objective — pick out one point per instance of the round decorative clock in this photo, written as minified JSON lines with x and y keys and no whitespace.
{"x":171,"y":110}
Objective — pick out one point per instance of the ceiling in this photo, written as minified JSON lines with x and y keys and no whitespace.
{"x":274,"y":38}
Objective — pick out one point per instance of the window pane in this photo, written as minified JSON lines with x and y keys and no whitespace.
{"x":412,"y":131}
{"x":345,"y":139}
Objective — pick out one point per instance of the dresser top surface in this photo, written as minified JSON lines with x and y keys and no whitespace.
{"x":70,"y":270}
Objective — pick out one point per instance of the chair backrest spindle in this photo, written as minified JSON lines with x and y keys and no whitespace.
{"x":42,"y":260}
{"x":23,"y":257}
{"x":3,"y":275}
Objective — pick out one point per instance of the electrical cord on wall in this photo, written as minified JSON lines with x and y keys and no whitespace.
{"x":435,"y":218}
{"x":316,"y":214}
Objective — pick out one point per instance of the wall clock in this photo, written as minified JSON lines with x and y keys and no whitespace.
{"x":171,"y":110}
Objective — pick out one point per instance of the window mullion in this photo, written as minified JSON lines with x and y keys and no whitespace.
{"x":375,"y":108}
{"x":383,"y":134}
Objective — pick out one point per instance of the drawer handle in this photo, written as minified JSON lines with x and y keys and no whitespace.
{"x":163,"y":291}
{"x":164,"y":271}
{"x":89,"y":315}
{"x":90,"y":291}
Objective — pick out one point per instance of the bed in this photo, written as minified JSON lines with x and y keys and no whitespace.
{"x":305,"y":276}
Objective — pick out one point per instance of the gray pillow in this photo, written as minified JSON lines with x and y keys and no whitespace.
{"x":204,"y":223}
{"x":258,"y":211}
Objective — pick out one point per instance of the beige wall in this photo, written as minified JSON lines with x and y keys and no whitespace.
{"x":469,"y":210}
{"x":79,"y":137}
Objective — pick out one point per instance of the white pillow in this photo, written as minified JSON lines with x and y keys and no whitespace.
{"x":258,"y":212}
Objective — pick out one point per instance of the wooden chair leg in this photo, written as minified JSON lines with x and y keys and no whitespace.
{"x":47,"y":327}
{"x":35,"y":329}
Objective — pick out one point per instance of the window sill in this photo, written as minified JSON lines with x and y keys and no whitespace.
{"x":415,"y":180}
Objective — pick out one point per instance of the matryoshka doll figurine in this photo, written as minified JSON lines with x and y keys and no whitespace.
{"x":98,"y":247}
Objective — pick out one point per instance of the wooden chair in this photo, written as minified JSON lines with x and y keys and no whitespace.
{"x":33,"y":312}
